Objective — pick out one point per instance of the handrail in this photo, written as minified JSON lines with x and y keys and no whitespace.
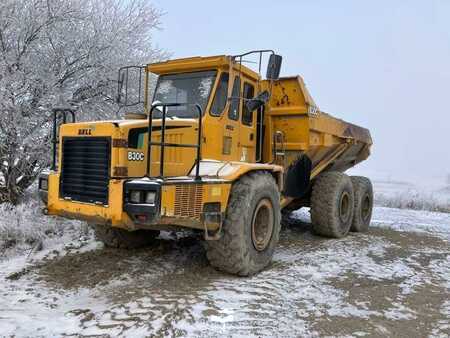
{"x":56,"y":112}
{"x":163,"y":144}
{"x":260,"y":112}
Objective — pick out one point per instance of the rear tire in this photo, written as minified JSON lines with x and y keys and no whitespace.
{"x":332,"y":204}
{"x":123,"y":239}
{"x":251,"y":227}
{"x":363,"y":203}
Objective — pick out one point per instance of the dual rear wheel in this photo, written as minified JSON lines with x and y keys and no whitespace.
{"x":340,"y":204}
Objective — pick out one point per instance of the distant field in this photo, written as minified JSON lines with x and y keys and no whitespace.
{"x":405,"y":195}
{"x":408,"y":192}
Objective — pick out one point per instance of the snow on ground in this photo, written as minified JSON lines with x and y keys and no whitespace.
{"x":412,"y":220}
{"x":385,"y":282}
{"x":432,"y":223}
{"x":25,"y":230}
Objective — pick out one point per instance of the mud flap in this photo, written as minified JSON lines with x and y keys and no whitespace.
{"x":298,"y":176}
{"x":212,"y":218}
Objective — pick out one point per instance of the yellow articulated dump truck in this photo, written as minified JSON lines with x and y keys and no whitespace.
{"x":216,"y":148}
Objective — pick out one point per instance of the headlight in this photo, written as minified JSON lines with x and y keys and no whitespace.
{"x":135,"y":196}
{"x":150,"y":197}
{"x":43,"y":184}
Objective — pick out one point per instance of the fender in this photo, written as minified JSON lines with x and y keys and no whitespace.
{"x":231,"y":171}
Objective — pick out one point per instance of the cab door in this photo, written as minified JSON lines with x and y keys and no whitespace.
{"x":231,"y":144}
{"x":231,"y":131}
{"x":247,"y":134}
{"x":221,"y":130}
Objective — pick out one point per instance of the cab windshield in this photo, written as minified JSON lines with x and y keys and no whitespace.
{"x":185,"y":88}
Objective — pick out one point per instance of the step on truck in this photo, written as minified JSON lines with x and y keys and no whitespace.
{"x":216,"y":148}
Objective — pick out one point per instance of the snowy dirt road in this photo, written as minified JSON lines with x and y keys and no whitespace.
{"x":392,"y":281}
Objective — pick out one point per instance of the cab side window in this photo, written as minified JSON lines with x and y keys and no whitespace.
{"x":249,"y":93}
{"x":233,"y":113}
{"x":220,"y":98}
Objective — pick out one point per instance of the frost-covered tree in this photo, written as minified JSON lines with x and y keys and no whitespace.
{"x":62,"y":52}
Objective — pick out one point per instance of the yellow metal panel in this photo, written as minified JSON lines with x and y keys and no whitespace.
{"x":197,"y":64}
{"x":106,"y":214}
{"x":217,"y":193}
{"x":168,"y":200}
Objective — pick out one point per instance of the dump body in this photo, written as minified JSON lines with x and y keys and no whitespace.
{"x":330,"y":143}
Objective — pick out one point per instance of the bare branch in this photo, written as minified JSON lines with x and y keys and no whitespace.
{"x":51,"y":53}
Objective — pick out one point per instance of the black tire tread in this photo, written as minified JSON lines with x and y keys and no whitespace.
{"x":360,"y":184}
{"x":231,"y":253}
{"x":324,"y":219}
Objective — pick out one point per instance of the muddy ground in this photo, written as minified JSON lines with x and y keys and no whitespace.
{"x":383,"y":283}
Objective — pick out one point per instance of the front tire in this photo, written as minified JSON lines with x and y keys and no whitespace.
{"x":332,"y":204}
{"x":251,"y":227}
{"x":123,"y":239}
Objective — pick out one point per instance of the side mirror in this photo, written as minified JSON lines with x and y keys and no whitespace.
{"x":258,"y":101}
{"x":274,"y":67}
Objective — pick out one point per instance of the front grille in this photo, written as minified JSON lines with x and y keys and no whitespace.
{"x":85,"y":169}
{"x":188,"y":200}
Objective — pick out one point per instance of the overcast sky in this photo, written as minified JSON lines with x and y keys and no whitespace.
{"x":384,"y":65}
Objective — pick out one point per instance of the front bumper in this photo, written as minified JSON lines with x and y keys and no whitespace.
{"x":179,"y":203}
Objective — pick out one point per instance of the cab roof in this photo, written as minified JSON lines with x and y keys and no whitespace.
{"x":199,"y":63}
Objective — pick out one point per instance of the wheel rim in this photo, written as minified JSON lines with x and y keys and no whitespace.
{"x":344,"y":207}
{"x":365,"y":208}
{"x":262,"y":224}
